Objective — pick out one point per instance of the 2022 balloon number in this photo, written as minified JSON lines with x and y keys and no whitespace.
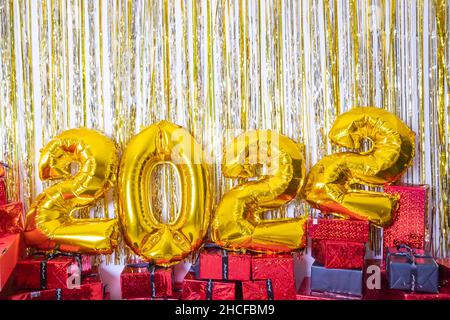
{"x":237,"y":222}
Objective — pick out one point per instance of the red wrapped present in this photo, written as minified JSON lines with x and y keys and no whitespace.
{"x":339,"y":254}
{"x":42,"y":272}
{"x":143,"y":280}
{"x":218,"y":264}
{"x":408,"y":226}
{"x":91,"y":289}
{"x":10,"y":248}
{"x":444,"y":275}
{"x":208,"y":290}
{"x":11,"y":218}
{"x":272,"y":267}
{"x":3,"y":192}
{"x":276,"y":289}
{"x":339,"y":230}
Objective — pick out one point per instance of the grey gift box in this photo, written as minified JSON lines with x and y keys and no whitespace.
{"x":343,"y":281}
{"x":407,"y":270}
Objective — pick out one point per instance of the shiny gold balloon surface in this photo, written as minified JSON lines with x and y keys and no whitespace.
{"x":157,"y":242}
{"x":49,"y":222}
{"x":330,"y":183}
{"x":237,"y":222}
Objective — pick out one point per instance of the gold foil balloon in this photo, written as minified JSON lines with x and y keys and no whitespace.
{"x":330,"y":183}
{"x":164,"y":243}
{"x":50,"y":224}
{"x":237,"y":222}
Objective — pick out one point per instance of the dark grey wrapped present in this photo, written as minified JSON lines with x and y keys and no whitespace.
{"x":411,"y":270}
{"x":342,"y":281}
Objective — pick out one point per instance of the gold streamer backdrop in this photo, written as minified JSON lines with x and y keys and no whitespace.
{"x":219,"y":68}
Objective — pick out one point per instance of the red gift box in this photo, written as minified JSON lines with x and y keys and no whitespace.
{"x":408,"y":226}
{"x":11,"y":218}
{"x":272,"y":267}
{"x":146,"y":281}
{"x":276,"y":289}
{"x":10,"y":248}
{"x":444,"y":275}
{"x":219,"y":264}
{"x":3,"y":192}
{"x":90,"y":289}
{"x":339,"y":254}
{"x":339,"y":230}
{"x":208,"y":290}
{"x":46,"y":272}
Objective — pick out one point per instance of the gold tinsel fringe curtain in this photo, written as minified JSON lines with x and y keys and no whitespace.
{"x":219,"y":67}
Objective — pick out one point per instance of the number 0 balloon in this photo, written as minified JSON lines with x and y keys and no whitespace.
{"x":164,"y":243}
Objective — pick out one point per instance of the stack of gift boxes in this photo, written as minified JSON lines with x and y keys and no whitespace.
{"x":406,"y":272}
{"x":217,"y":275}
{"x":225,"y":275}
{"x":338,"y":247}
{"x":339,"y":271}
{"x":40,"y":276}
{"x":57,"y":276}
